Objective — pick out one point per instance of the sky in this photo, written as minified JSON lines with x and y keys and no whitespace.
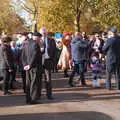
{"x":24,"y":14}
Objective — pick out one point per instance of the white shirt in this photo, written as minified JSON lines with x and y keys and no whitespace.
{"x":96,"y":45}
{"x":46,"y":50}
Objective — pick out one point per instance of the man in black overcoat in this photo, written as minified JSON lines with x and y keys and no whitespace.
{"x":112,"y":51}
{"x":32,"y":63}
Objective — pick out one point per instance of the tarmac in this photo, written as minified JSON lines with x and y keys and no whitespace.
{"x":70,"y":103}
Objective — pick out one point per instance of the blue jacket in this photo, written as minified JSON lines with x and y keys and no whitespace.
{"x":79,"y":49}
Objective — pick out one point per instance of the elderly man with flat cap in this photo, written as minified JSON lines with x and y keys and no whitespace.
{"x":112,"y":51}
{"x":32,"y":63}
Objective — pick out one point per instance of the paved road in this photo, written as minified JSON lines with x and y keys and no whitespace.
{"x":80,"y":103}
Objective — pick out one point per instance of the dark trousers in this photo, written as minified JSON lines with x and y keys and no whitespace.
{"x":66,"y":72}
{"x":79,"y":68}
{"x":6,"y":80}
{"x":23,"y":75}
{"x":96,"y":74}
{"x":47,"y":75}
{"x":55,"y":69}
{"x":33,"y":84}
{"x":12,"y":77}
{"x":110,"y":69}
{"x":81,"y":78}
{"x":118,"y":77}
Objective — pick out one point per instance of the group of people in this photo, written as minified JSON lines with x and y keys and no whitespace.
{"x":37,"y":54}
{"x":35,"y":57}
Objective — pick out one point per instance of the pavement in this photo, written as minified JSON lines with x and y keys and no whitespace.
{"x":76,"y":103}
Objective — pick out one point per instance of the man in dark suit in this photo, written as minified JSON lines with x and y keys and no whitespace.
{"x":32,"y":62}
{"x":6,"y":63}
{"x":79,"y":49}
{"x":50,"y":49}
{"x":20,"y":45}
{"x":112,"y":51}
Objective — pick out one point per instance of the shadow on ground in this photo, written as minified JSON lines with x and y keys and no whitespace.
{"x":89,"y":115}
{"x":62,"y":93}
{"x":19,"y":100}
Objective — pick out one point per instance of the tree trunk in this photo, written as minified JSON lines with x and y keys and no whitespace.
{"x":77,"y":26}
{"x":77,"y":21}
{"x":34,"y":26}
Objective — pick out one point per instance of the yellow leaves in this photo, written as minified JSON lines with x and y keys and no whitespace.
{"x":9,"y":20}
{"x":59,"y":15}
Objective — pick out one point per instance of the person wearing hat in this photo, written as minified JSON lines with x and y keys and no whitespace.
{"x":32,"y":64}
{"x":6,"y":62}
{"x":112,"y":51}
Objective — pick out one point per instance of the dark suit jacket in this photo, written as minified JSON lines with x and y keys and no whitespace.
{"x":112,"y":50}
{"x":6,"y":57}
{"x":31,"y":55}
{"x":51,"y":48}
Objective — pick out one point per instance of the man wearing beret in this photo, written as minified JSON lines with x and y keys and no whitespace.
{"x":32,"y":63}
{"x":112,"y":51}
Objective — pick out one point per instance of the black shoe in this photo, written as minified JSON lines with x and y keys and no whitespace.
{"x":50,"y":98}
{"x":66,"y":75}
{"x":71,"y":85}
{"x":27,"y":102}
{"x":24,"y":90}
{"x":7,"y":93}
{"x":84,"y":84}
{"x":34,"y":102}
{"x":12,"y":88}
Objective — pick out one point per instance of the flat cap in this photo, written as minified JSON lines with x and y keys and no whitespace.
{"x":113,"y":30}
{"x":37,"y":34}
{"x":6,"y":39}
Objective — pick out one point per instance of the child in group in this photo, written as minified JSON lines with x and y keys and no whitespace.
{"x":96,"y":69}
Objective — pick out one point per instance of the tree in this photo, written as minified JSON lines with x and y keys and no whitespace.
{"x":110,"y":13}
{"x":73,"y":15}
{"x":10,"y":21}
{"x":33,"y":8}
{"x":66,"y":14}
